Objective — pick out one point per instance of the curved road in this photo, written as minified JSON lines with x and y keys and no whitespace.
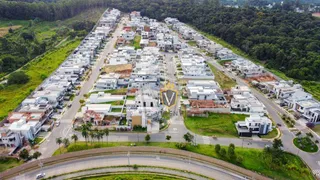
{"x":207,"y":170}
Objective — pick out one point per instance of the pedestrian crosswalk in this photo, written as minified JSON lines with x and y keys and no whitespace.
{"x":316,"y":172}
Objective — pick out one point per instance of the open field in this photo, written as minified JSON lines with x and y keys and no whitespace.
{"x":224,"y":81}
{"x":215,"y":124}
{"x":251,"y":158}
{"x":12,"y":95}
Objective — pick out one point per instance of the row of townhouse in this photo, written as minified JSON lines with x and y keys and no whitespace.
{"x":205,"y":96}
{"x":225,"y":54}
{"x":35,"y":112}
{"x":294,"y":98}
{"x":193,"y":65}
{"x":185,"y":31}
{"x":246,"y":68}
{"x":244,"y":101}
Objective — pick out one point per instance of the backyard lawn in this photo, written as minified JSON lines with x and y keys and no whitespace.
{"x":215,"y":124}
{"x":224,"y":81}
{"x":192,"y":43}
{"x":136,"y":42}
{"x":252,"y":158}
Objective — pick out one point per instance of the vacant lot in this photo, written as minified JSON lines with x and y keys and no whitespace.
{"x":216,"y":124}
{"x":224,"y":81}
{"x":11,"y":96}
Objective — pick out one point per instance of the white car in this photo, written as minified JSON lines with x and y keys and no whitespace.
{"x":57,"y":123}
{"x":41,"y":175}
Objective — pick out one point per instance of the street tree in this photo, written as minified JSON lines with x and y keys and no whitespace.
{"x":223,"y":152}
{"x":147,"y":138}
{"x":36,"y":155}
{"x":231,"y":152}
{"x":74,"y":137}
{"x":188,"y":137}
{"x":66,"y":142}
{"x":24,"y":154}
{"x":168,"y":138}
{"x":59,"y":141}
{"x":277,"y":144}
{"x":106,"y":133}
{"x":217,"y":148}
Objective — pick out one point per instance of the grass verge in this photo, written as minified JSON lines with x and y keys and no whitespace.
{"x":251,"y":158}
{"x":7,"y":163}
{"x":215,"y":124}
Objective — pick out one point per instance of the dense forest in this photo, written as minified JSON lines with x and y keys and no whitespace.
{"x":281,"y":39}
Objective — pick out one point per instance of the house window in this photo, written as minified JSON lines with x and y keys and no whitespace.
{"x":151,"y":104}
{"x":144,"y":104}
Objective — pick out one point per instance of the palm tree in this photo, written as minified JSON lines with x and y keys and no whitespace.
{"x":59,"y":141}
{"x":74,"y":138}
{"x":89,"y":125}
{"x":92,"y":135}
{"x":66,"y":142}
{"x":84,"y":132}
{"x":106,"y":132}
{"x":100,"y":134}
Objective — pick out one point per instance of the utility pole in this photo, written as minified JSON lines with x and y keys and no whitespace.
{"x":128,"y":155}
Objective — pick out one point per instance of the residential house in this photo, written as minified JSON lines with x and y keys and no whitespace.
{"x":255,"y":124}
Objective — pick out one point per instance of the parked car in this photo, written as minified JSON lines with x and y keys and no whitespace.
{"x":278,"y":124}
{"x":41,"y":175}
{"x":57,"y":123}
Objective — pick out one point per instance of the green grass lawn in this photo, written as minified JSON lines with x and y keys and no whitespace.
{"x":224,"y":81}
{"x":252,"y":158}
{"x":138,"y":176}
{"x":216,"y":124}
{"x":37,"y":140}
{"x":271,"y":134}
{"x":131,"y":97}
{"x":7,"y":163}
{"x":12,"y":95}
{"x":305,"y":144}
{"x":166,"y":115}
{"x":136,"y":42}
{"x":192,"y":43}
{"x":116,"y":110}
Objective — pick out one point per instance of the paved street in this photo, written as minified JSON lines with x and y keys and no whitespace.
{"x":147,"y":160}
{"x":65,"y":129}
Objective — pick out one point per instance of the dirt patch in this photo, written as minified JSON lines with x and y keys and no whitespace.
{"x":118,"y":68}
{"x":316,"y":14}
{"x":266,"y":78}
{"x":5,"y":30}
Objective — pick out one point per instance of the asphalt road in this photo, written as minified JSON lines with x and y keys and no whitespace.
{"x":48,"y":147}
{"x":146,"y":160}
